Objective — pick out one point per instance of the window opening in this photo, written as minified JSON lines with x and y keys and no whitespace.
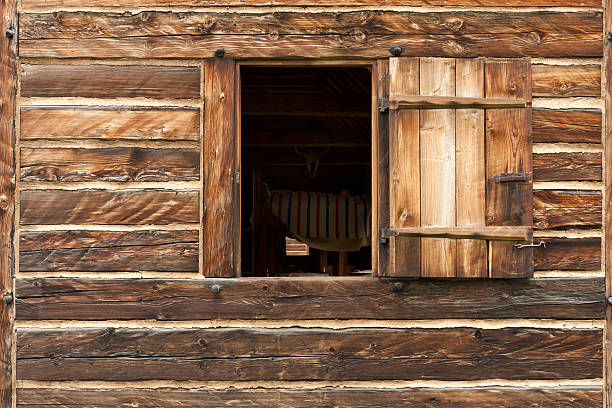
{"x":306,"y":170}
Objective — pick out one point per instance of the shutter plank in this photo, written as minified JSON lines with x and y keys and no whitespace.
{"x":470,"y":170}
{"x":508,"y":150}
{"x":404,"y":162}
{"x":219,"y":240}
{"x":437,"y":145}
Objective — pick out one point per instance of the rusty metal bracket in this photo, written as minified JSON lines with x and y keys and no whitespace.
{"x":510,"y":178}
{"x":609,"y":36}
{"x":7,"y":297}
{"x":383,"y":105}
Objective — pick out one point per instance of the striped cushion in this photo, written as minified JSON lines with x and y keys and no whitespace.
{"x":322,"y":215}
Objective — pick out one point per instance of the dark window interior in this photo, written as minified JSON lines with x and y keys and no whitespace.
{"x":306,"y":157}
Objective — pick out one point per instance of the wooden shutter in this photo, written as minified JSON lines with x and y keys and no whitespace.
{"x":220,"y":209}
{"x":460,"y":177}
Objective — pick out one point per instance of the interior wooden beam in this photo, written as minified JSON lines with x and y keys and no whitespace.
{"x":305,"y":138}
{"x":312,"y":105}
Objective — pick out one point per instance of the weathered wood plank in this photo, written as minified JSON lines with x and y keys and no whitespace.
{"x":566,"y":208}
{"x":109,"y":164}
{"x":567,"y":167}
{"x":123,"y":207}
{"x":470,"y":170}
{"x":576,"y":397}
{"x":381,"y":205}
{"x":132,"y":123}
{"x":220,"y":221}
{"x":508,"y":144}
{"x":570,"y":254}
{"x":319,"y":46}
{"x":110,"y":81}
{"x":415,"y":343}
{"x":404,"y":169}
{"x":72,"y":25}
{"x":8,"y":95}
{"x":304,"y":298}
{"x":437,"y":155}
{"x":566,"y":125}
{"x":204,"y":3}
{"x":167,"y":251}
{"x":307,"y":354}
{"x":566,"y":80}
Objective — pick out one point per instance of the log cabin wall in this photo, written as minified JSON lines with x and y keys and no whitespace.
{"x":111,"y":307}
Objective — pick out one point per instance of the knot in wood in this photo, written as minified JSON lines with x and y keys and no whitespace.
{"x":453,"y":24}
{"x":4,"y":202}
{"x":534,"y":37}
{"x":358,"y":35}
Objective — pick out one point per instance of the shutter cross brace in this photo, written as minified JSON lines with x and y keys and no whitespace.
{"x":510,"y":178}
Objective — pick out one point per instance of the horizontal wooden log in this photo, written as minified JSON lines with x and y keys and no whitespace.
{"x":576,"y":397}
{"x":358,"y":45}
{"x":123,"y":207}
{"x":567,"y":167}
{"x":109,"y":164}
{"x":110,"y":81}
{"x":566,"y":208}
{"x":307,"y":298}
{"x":511,"y":233}
{"x":106,"y":251}
{"x":566,"y":125}
{"x":154,"y":24}
{"x":453,"y":102}
{"x":133,"y":123}
{"x":307,"y":354}
{"x":570,"y":254}
{"x":204,"y":3}
{"x":566,"y":80}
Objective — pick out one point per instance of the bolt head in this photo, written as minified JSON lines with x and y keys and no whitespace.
{"x":219,"y":53}
{"x":396,"y":51}
{"x":215,"y":288}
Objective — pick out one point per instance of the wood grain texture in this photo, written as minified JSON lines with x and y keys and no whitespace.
{"x":381,"y":205}
{"x":437,"y":155}
{"x":569,"y":254}
{"x":73,"y":25}
{"x":508,"y":150}
{"x":131,"y":123}
{"x":567,"y":126}
{"x":470,"y":169}
{"x":104,"y":251}
{"x":566,"y":208}
{"x":404,"y":169}
{"x":110,"y":81}
{"x":220,"y":222}
{"x":124,"y":207}
{"x":607,"y":200}
{"x":204,"y":3}
{"x":576,"y":397}
{"x":319,"y":46}
{"x":307,"y":354}
{"x":8,"y":92}
{"x":566,"y":80}
{"x":304,"y":298}
{"x":109,"y":164}
{"x":567,"y":167}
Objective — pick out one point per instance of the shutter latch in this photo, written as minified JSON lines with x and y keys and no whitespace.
{"x":385,"y":234}
{"x":510,"y":178}
{"x":539,"y":244}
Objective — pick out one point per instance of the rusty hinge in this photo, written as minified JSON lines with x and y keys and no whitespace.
{"x":510,"y":178}
{"x":540,"y":244}
{"x":385,"y":234}
{"x":383,"y":105}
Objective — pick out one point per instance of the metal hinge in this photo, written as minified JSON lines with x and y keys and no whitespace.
{"x":510,"y":178}
{"x":238,"y":177}
{"x":538,"y":245}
